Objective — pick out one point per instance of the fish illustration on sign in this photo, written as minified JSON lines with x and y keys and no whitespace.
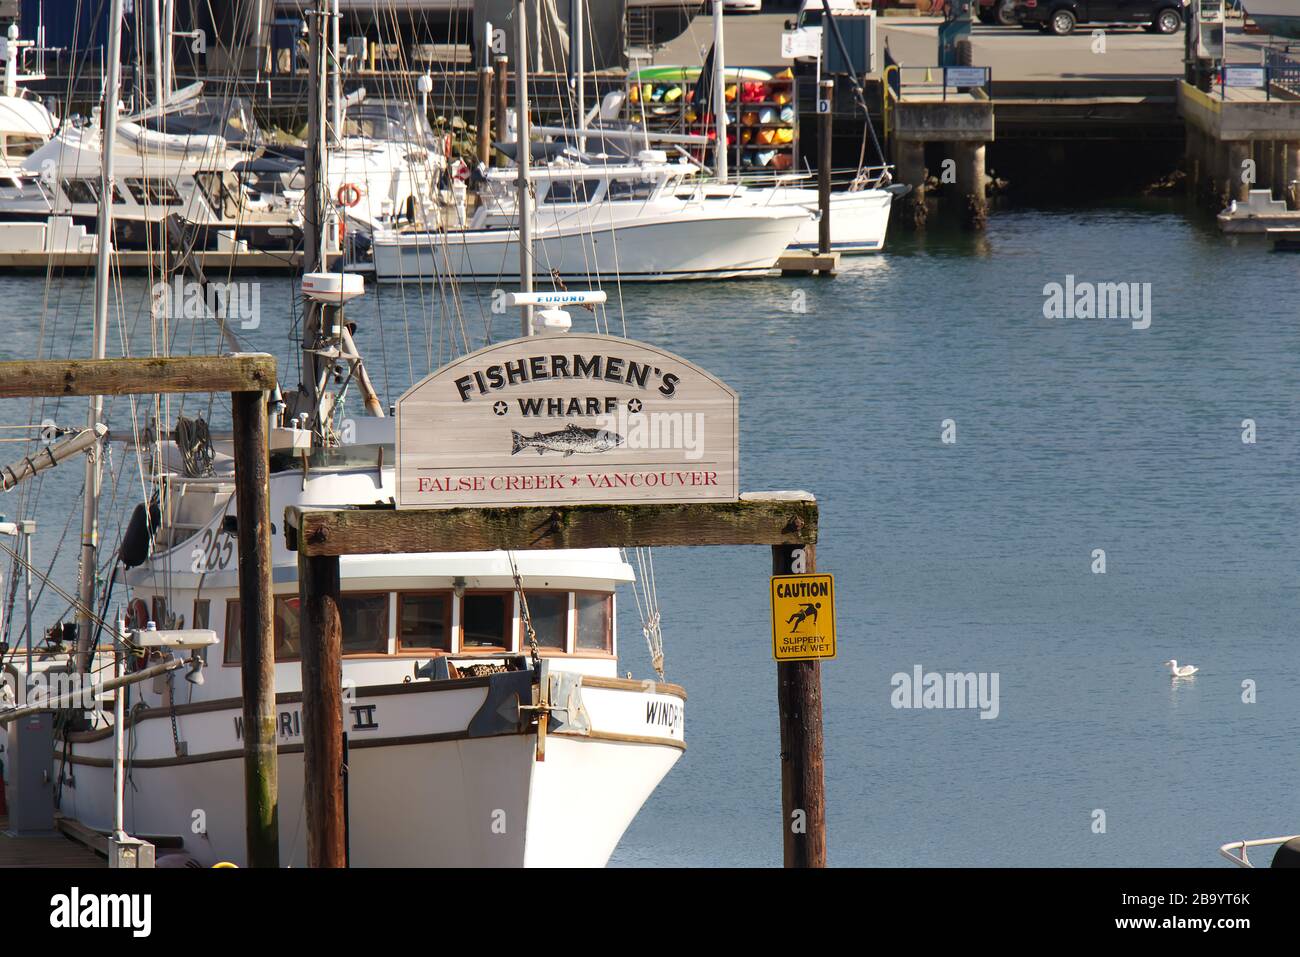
{"x":568,"y":440}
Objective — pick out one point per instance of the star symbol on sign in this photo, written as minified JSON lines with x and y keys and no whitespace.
{"x":634,"y":405}
{"x":500,"y":408}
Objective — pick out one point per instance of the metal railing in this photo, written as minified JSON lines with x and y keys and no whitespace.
{"x":1244,"y":860}
{"x":1283,"y":68}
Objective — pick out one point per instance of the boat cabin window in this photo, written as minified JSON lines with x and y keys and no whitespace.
{"x":286,"y":631}
{"x":86,"y":191}
{"x":564,"y":622}
{"x":549,"y":613}
{"x":364,"y":620}
{"x":153,"y":192}
{"x":220,"y":192}
{"x":202,"y":609}
{"x":486,"y":620}
{"x":595,"y":622}
{"x":18,"y":146}
{"x":572,"y":190}
{"x":630,"y":189}
{"x":424,"y":621}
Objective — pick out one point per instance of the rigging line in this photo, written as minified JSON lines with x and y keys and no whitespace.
{"x":67,"y":526}
{"x":74,"y":602}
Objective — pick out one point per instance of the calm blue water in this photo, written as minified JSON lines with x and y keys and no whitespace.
{"x":1072,"y":435}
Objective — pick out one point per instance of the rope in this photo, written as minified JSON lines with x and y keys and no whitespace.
{"x":195,"y":444}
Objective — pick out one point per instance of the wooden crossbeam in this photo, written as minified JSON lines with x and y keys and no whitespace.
{"x":758,"y":519}
{"x":242,"y":372}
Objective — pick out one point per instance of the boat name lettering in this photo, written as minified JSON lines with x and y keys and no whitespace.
{"x":666,"y":713}
{"x":288,"y":724}
{"x":363,"y":717}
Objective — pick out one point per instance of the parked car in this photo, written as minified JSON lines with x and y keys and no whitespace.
{"x":1002,"y":12}
{"x":1061,"y":16}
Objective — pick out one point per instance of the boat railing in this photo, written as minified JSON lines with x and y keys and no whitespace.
{"x":1227,"y":850}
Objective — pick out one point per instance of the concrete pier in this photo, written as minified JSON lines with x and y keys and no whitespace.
{"x":909,"y":158}
{"x":964,"y":122}
{"x":1229,"y":133}
{"x":970,"y":184}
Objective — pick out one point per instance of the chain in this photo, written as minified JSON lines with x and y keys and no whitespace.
{"x":523,"y":610}
{"x":171,"y":710}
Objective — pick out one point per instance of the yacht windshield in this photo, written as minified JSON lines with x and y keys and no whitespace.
{"x":386,"y":120}
{"x":227,"y":117}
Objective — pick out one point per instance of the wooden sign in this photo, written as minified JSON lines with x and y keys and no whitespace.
{"x":803,"y":617}
{"x":564,"y":419}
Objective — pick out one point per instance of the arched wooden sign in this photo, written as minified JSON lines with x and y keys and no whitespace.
{"x":565,"y":419}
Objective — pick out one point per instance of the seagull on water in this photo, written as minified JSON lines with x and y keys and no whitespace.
{"x":1180,"y":671}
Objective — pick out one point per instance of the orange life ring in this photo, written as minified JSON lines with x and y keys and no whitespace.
{"x":349,"y":194}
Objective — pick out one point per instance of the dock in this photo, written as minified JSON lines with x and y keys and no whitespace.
{"x":803,"y":263}
{"x":249,"y":261}
{"x":54,"y":850}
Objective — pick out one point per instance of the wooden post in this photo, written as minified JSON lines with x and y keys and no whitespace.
{"x":786,"y":521}
{"x":322,"y":709}
{"x":799,"y":707}
{"x":499,"y":114}
{"x":256,"y":629}
{"x":484,"y":118}
{"x":825,"y":95}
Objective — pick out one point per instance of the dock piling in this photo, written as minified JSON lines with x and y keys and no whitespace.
{"x":970,"y":184}
{"x":799,"y":708}
{"x":322,"y":709}
{"x":909,"y":160}
{"x":825,"y":98}
{"x":257,"y":629}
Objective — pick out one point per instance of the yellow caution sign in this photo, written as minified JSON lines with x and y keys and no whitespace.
{"x":803,"y":617}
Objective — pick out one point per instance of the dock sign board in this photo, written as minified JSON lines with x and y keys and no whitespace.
{"x":566,"y":419}
{"x":803,"y":617}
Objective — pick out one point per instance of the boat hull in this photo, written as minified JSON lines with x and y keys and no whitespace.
{"x":425,"y":786}
{"x":859,"y":220}
{"x":719,"y":245}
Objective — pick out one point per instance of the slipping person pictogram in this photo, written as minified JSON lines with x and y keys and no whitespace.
{"x":805,"y":612}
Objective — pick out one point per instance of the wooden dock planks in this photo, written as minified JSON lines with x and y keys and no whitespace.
{"x":55,"y":850}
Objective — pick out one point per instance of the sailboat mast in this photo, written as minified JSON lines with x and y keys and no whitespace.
{"x":90,"y":501}
{"x":578,"y":53}
{"x":522,"y":162}
{"x":156,"y":15}
{"x":314,"y":367}
{"x":719,"y":97}
{"x":336,"y":75}
{"x":165,"y":62}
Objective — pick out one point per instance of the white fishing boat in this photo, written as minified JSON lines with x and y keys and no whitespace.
{"x":625,"y":221}
{"x":442,"y":763}
{"x":486,"y":721}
